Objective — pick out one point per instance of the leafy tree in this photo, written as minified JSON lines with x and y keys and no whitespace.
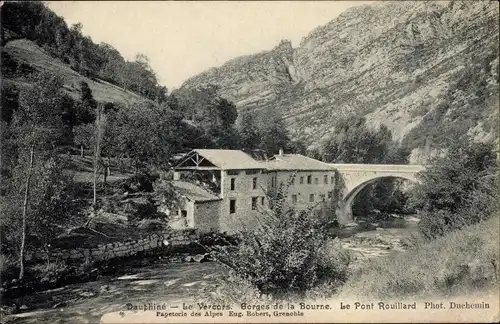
{"x":86,"y":109}
{"x":84,"y":137}
{"x":457,"y":189}
{"x":274,"y":135}
{"x":37,"y":125}
{"x":110,"y":70}
{"x":353,"y":142}
{"x":249,"y":132}
{"x":146,"y":134}
{"x":212,"y":113}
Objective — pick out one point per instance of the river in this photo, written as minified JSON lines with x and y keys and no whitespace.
{"x":173,"y":282}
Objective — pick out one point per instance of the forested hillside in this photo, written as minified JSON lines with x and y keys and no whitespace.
{"x":421,"y":68}
{"x":69,"y":45}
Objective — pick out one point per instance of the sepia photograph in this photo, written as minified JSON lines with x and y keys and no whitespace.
{"x":249,"y":162}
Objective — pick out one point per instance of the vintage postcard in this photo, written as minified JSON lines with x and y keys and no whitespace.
{"x":249,"y":162}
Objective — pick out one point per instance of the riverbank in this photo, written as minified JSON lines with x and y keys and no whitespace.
{"x":165,"y":281}
{"x":168,"y":280}
{"x":461,"y":262}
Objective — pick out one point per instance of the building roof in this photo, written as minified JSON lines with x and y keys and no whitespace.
{"x":231,"y":159}
{"x":297,"y":162}
{"x":193,"y":192}
{"x":236,"y":159}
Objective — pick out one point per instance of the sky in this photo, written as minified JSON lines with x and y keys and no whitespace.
{"x":183,"y":39}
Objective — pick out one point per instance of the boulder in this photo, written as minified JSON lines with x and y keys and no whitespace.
{"x":87,"y":294}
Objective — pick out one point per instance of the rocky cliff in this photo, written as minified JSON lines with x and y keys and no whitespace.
{"x":412,"y":66}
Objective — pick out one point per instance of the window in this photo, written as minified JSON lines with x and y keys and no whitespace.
{"x":301,"y":180}
{"x":252,"y":171}
{"x":233,"y":172}
{"x":232,"y":206}
{"x":325,"y":179}
{"x":262,"y":199}
{"x":316,"y":181}
{"x":254,"y":203}
{"x":309,"y":179}
{"x":294,"y":199}
{"x":311,"y":198}
{"x":233,"y":180}
{"x":184,"y":213}
{"x":332,"y":180}
{"x":254,"y":183}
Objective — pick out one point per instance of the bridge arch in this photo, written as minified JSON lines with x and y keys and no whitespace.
{"x":351,"y":195}
{"x":355,"y":177}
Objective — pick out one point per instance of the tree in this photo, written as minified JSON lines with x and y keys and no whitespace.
{"x":147,"y":134}
{"x":99,"y":130}
{"x":457,"y":189}
{"x":249,"y":132}
{"x":274,"y":134}
{"x":353,"y":142}
{"x":86,"y":109}
{"x":37,"y":125}
{"x":205,"y":108}
{"x":83,"y":136}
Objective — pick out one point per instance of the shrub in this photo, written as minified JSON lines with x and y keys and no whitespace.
{"x":9,"y":267}
{"x":50,"y":273}
{"x":233,"y":289}
{"x":139,"y":183}
{"x":140,"y":208}
{"x":457,"y":190}
{"x":287,"y":253}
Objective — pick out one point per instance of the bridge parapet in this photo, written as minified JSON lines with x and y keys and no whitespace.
{"x":414,"y":168}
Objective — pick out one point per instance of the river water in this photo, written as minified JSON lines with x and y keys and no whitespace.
{"x":174,"y":282}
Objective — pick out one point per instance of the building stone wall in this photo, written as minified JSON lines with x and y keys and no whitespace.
{"x":206,"y":216}
{"x":243,"y":193}
{"x":318,"y":187}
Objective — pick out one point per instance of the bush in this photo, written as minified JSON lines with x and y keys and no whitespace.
{"x":140,"y":183}
{"x":9,"y":267}
{"x":50,"y":273}
{"x":457,"y":190}
{"x":286,"y":254}
{"x":233,"y":289}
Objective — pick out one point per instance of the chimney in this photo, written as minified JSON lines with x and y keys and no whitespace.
{"x":281,"y":152}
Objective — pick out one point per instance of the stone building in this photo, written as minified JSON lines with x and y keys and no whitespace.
{"x":226,"y":190}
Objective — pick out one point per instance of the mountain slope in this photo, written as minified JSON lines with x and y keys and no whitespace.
{"x":409,"y":65}
{"x":29,"y":58}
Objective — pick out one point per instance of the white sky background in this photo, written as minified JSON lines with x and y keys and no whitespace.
{"x":183,"y":39}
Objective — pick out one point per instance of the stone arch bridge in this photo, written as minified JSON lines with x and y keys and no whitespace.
{"x":355,"y":177}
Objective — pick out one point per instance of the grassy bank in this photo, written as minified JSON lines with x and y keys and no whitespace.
{"x":460,"y":262}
